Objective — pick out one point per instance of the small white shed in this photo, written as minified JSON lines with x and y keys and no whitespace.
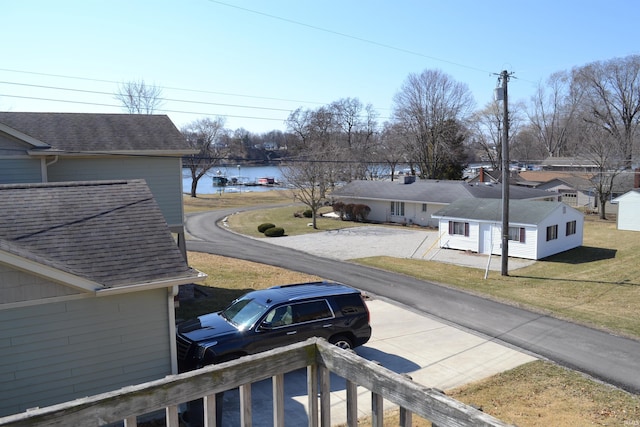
{"x":628,"y":207}
{"x":537,"y":229}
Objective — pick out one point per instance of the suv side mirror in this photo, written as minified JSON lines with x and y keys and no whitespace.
{"x":266,"y":326}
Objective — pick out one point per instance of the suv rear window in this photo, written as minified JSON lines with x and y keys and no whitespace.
{"x":350,"y":304}
{"x":313,"y":310}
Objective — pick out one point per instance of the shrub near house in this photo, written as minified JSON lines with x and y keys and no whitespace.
{"x":352,"y":211}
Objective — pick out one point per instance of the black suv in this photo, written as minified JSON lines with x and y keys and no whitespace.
{"x":269,"y":318}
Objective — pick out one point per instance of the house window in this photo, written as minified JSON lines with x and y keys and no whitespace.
{"x":571,"y":228}
{"x":424,"y":207}
{"x":552,"y":232}
{"x":516,"y":234}
{"x":459,"y":228}
{"x":397,"y":208}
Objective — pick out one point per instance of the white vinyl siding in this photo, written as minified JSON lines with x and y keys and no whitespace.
{"x":52,"y":353}
{"x":628,"y":207}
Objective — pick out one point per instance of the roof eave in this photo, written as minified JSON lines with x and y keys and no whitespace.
{"x":156,"y":284}
{"x":49,"y":273}
{"x":23,"y":136}
{"x":131,"y":153}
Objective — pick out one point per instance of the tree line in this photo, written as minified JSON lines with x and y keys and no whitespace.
{"x":590,"y":112}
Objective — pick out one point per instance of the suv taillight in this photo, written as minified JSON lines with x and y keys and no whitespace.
{"x":364,"y":304}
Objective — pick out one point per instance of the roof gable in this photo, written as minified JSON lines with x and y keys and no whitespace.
{"x":108,"y":232}
{"x":96,"y":133}
{"x":530,"y":212}
{"x":629,"y":195}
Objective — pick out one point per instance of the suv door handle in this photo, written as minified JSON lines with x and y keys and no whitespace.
{"x":328,"y":325}
{"x":292,"y":333}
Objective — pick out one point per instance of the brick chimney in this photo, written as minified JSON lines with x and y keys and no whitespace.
{"x":481,"y":174}
{"x":636,"y":178}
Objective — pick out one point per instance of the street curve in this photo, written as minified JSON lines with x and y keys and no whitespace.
{"x":604,"y":356}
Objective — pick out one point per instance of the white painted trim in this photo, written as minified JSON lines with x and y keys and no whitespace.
{"x":50,"y":273}
{"x":23,"y":136}
{"x":151,"y":285}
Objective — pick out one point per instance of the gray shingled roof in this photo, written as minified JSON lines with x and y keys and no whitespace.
{"x":530,"y":212}
{"x":85,"y":132}
{"x":109,"y":232}
{"x":432,"y":191}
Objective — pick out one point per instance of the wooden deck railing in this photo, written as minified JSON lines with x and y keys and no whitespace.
{"x":316,"y":355}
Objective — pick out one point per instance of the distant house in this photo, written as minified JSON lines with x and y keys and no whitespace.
{"x":88,"y":274}
{"x":55,"y":147}
{"x":537,"y":229}
{"x":579,"y":189}
{"x":412,"y":202}
{"x":628,"y":208}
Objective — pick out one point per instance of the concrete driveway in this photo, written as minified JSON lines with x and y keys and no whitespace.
{"x":395,"y":241}
{"x":433,"y":353}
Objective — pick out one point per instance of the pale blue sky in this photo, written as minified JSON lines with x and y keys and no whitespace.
{"x":255,"y":61}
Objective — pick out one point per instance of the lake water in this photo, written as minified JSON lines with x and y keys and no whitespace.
{"x":246,"y":175}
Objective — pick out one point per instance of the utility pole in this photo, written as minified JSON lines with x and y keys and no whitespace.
{"x":504,"y":77}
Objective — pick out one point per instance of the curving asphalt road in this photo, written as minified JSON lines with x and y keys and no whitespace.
{"x":607,"y":357}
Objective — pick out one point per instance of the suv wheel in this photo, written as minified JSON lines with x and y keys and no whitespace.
{"x":342,"y":342}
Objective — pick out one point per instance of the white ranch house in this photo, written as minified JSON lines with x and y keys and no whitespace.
{"x":413,"y":202}
{"x":537,"y":229}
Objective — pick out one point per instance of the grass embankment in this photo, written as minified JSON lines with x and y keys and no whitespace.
{"x":597,"y":284}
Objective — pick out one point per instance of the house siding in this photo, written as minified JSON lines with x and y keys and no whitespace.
{"x":19,"y":170}
{"x":628,"y":208}
{"x":465,"y":243}
{"x":56,"y":352}
{"x":162,"y":174}
{"x":560,"y":217}
{"x":17,"y":286}
{"x":526,"y":249}
{"x":413,"y":214}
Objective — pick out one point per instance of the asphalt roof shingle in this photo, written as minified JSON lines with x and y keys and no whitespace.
{"x":88,"y":132}
{"x":432,"y":191}
{"x":530,"y":212}
{"x":110,"y":232}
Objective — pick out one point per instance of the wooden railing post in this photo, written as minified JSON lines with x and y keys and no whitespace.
{"x":377,"y":412}
{"x":172,"y":418}
{"x":406,"y":416}
{"x":312,"y":394}
{"x":245,"y":405}
{"x":277,"y":388}
{"x":213,"y":410}
{"x":325,"y":396}
{"x":352,"y":404}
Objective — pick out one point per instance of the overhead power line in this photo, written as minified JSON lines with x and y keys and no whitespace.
{"x":202,"y":91}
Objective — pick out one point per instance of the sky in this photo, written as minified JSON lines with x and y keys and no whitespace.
{"x":254,"y":62}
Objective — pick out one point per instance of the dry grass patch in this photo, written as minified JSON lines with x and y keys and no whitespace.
{"x":285,"y":217}
{"x":596,"y":284}
{"x":209,"y":202}
{"x":541,"y":394}
{"x":229,"y":278}
{"x":544,"y":394}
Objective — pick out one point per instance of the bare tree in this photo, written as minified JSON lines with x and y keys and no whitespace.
{"x":393,"y":147}
{"x":306,"y":178}
{"x":316,"y":141}
{"x":426,"y":106}
{"x":137,"y":97}
{"x":612,"y":99}
{"x":204,"y":135}
{"x":486,"y":131}
{"x":553,"y":113}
